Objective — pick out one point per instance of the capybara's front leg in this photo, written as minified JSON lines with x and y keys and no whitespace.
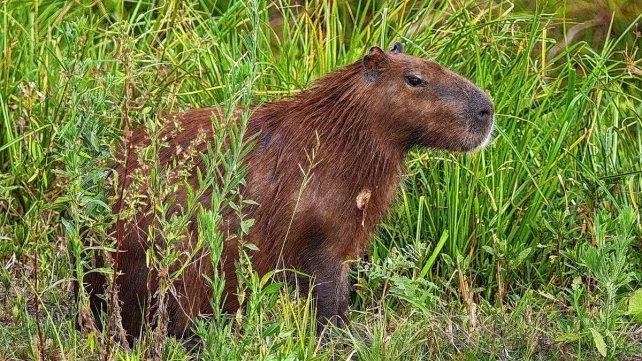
{"x":331,"y":293}
{"x":330,"y":290}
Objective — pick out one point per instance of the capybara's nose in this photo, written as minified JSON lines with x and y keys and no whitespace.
{"x":481,"y":113}
{"x":484,"y":116}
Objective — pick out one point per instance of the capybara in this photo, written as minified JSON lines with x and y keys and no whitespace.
{"x":360,"y":121}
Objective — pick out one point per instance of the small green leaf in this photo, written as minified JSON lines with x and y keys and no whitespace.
{"x":489,"y":250}
{"x":272,"y":329}
{"x":635,"y":306}
{"x":273,"y":288}
{"x":599,"y":342}
{"x":246,"y":224}
{"x":286,"y":333}
{"x":521,"y":257}
{"x":251,"y":246}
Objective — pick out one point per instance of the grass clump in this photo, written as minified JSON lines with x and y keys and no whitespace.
{"x":527,"y":250}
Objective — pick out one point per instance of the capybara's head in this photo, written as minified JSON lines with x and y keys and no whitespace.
{"x":433,"y":106}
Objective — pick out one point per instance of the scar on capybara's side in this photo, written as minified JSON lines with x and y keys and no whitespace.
{"x":362,"y":119}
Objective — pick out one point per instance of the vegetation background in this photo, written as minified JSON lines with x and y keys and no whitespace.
{"x":530,"y":249}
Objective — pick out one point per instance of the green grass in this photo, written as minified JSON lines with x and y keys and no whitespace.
{"x":527,"y":250}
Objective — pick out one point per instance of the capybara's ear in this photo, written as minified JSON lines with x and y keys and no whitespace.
{"x":372,"y":63}
{"x":397,"y":48}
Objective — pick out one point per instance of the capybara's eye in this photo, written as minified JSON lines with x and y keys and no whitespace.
{"x":413,"y":80}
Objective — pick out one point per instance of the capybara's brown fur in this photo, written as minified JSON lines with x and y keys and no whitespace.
{"x":362,"y":119}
